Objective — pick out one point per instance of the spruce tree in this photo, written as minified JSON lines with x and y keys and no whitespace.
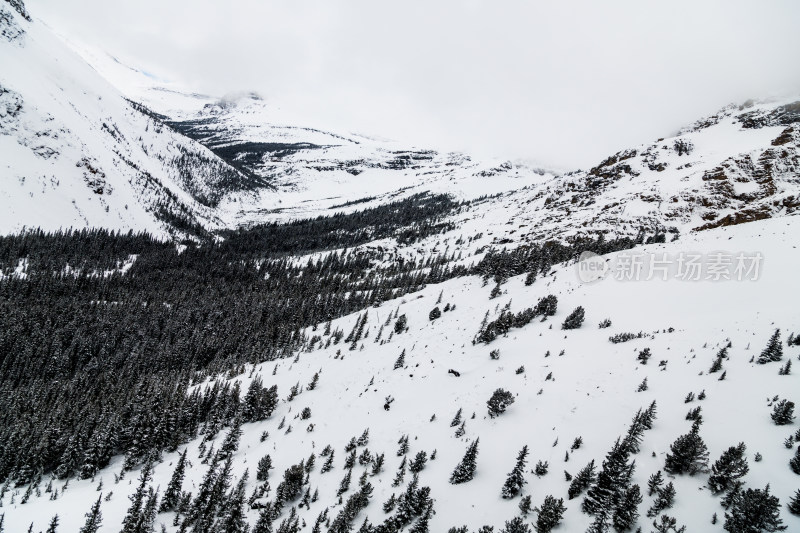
{"x":499,"y":401}
{"x":136,"y":515}
{"x":664,"y":500}
{"x":327,"y":466}
{"x":773,"y":351}
{"x":418,"y":463}
{"x":582,"y":481}
{"x":263,"y":468}
{"x":401,"y":360}
{"x":575,"y":319}
{"x":794,"y":503}
{"x":654,"y":483}
{"x":627,"y":511}
{"x":794,"y":462}
{"x":516,"y":525}
{"x":173,"y":493}
{"x":754,"y":510}
{"x":731,"y":466}
{"x":783,"y":413}
{"x":465,"y":470}
{"x":53,"y":525}
{"x":550,"y":514}
{"x":94,"y":518}
{"x":516,"y":479}
{"x":689,"y":454}
{"x":525,"y":505}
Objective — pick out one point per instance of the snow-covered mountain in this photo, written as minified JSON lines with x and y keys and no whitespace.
{"x":75,"y":153}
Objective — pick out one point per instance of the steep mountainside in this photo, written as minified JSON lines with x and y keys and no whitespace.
{"x":77,"y":154}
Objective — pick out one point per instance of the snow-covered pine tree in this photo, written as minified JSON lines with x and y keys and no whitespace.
{"x":626,"y":512}
{"x":575,"y":319}
{"x":94,"y":518}
{"x":664,"y":500}
{"x":465,"y":470}
{"x":773,"y":351}
{"x":516,"y":478}
{"x":794,"y":503}
{"x":401,"y":360}
{"x":731,"y":466}
{"x":550,"y":514}
{"x":783,"y":413}
{"x":418,"y":463}
{"x":173,"y":493}
{"x":654,"y":483}
{"x":582,"y":481}
{"x":516,"y":525}
{"x":794,"y":462}
{"x":689,"y":454}
{"x":499,"y":401}
{"x":754,"y":510}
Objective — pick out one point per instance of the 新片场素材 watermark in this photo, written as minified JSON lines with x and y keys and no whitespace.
{"x":682,"y":266}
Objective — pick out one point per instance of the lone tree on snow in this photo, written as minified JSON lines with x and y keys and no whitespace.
{"x":499,"y":401}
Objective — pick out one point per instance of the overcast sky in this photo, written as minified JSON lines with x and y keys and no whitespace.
{"x":564,"y":83}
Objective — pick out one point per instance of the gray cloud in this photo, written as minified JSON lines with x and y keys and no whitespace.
{"x":562,"y":83}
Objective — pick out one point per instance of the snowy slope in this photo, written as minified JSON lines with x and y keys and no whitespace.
{"x":75,"y":153}
{"x":592,"y":392}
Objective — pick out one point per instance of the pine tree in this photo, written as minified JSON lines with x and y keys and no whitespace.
{"x":403,"y":442}
{"x":754,"y":510}
{"x":773,"y":351}
{"x":516,"y":479}
{"x":344,"y":485}
{"x":731,"y":466}
{"x":389,"y":505}
{"x":525,"y":505}
{"x":401,"y":473}
{"x":231,"y":442}
{"x":783,"y":413}
{"x":689,"y":454}
{"x":794,"y":462}
{"x":263,"y":468}
{"x":418,"y":463}
{"x":173,"y":493}
{"x":575,"y":319}
{"x":654,"y":483}
{"x":465,"y":470}
{"x":627,"y":513}
{"x":664,"y":500}
{"x":328,"y":464}
{"x":612,"y":481}
{"x":499,"y":401}
{"x":401,"y":360}
{"x":233,"y":518}
{"x":456,"y":419}
{"x":582,"y":481}
{"x":94,"y":518}
{"x":794,"y":503}
{"x":53,"y":525}
{"x":363,"y":440}
{"x":516,"y":525}
{"x":136,"y":515}
{"x":550,"y":514}
{"x":264,"y":521}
